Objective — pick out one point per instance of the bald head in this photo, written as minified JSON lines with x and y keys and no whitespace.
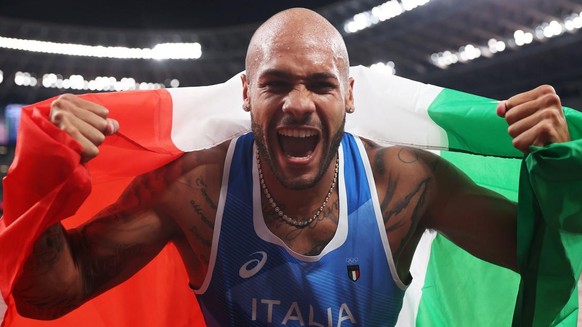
{"x":300,"y":29}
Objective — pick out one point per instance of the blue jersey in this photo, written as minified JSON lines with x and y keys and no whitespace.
{"x":254,"y":279}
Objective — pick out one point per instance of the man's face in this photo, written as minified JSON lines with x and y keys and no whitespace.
{"x":298,"y":99}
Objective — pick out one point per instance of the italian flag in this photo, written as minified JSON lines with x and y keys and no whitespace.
{"x":46,"y":183}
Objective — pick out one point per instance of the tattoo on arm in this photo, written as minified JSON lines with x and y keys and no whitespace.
{"x":201,"y":210}
{"x":420,"y":192}
{"x":48,"y":249}
{"x":112,"y":260}
{"x":198,"y":209}
{"x":413,"y":202}
{"x":204,"y":190}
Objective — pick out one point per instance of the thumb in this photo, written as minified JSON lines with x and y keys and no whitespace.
{"x":112,"y":126}
{"x":501,"y":108}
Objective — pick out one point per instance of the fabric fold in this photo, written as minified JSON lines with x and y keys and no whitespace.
{"x":549,"y":234}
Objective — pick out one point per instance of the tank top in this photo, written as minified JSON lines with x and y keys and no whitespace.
{"x":254,"y":279}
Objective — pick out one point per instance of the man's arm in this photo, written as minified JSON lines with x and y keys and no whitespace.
{"x":67,"y":268}
{"x":421,"y":191}
{"x":477,"y":219}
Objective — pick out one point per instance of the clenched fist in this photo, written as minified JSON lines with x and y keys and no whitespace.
{"x":85,"y":121}
{"x":535,"y":117}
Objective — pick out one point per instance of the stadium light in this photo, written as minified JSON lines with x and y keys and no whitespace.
{"x":571,"y":24}
{"x":78,"y":82}
{"x":162,"y":51}
{"x":386,"y":67}
{"x":378,"y":14}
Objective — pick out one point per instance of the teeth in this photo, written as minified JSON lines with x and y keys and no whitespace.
{"x":297,"y":133}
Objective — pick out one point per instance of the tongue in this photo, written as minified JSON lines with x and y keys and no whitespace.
{"x":298,"y":147}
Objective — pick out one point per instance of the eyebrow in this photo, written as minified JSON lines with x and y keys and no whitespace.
{"x":284,"y":74}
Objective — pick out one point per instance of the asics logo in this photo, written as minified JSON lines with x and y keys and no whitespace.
{"x":253,"y":266}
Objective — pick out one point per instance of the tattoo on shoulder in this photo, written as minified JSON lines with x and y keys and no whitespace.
{"x":408,"y":155}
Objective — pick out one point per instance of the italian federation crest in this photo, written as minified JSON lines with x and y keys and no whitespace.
{"x":354,"y":272}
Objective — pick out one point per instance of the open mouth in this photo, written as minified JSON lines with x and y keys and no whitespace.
{"x":298,"y":143}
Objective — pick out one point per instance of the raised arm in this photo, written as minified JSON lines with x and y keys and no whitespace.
{"x":477,"y":219}
{"x":67,"y":268}
{"x":418,"y":190}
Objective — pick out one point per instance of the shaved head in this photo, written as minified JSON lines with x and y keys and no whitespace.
{"x":298,"y":90}
{"x":297,"y":27}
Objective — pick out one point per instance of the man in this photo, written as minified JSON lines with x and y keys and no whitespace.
{"x":263,"y":222}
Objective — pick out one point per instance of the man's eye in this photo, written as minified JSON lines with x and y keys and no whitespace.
{"x":277,"y":84}
{"x":322,"y":86}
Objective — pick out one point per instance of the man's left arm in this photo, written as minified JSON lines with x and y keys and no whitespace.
{"x":479,"y":220}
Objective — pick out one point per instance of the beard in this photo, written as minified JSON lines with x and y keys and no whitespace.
{"x":265,"y":150}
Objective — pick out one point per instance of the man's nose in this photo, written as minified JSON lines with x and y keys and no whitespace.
{"x":299,"y":103}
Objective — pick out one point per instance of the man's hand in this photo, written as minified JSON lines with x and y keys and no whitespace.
{"x":85,"y":121}
{"x":535,"y":118}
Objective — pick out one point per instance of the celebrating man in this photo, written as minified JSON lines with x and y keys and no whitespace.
{"x":267,"y":223}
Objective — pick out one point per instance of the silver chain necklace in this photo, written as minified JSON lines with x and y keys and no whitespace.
{"x":295,"y":222}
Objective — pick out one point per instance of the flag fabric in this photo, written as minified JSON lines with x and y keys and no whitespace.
{"x":46,"y":183}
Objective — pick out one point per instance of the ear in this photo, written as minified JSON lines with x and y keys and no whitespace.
{"x":350,"y":96}
{"x":245,"y":92}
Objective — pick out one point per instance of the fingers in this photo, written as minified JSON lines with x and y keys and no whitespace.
{"x":529,"y":96}
{"x":501,"y":109}
{"x":84,"y":121}
{"x":534,"y":118}
{"x":535,"y":131}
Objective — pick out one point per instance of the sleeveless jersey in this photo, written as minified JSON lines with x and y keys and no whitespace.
{"x":254,"y":279}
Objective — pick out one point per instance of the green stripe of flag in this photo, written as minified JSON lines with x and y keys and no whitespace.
{"x":459,"y":289}
{"x":472,"y":124}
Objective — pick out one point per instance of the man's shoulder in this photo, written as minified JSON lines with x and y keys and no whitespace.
{"x":396,"y":158}
{"x":201,"y":161}
{"x":210,"y":156}
{"x":375,"y":148}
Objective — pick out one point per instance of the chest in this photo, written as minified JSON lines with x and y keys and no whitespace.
{"x":311,"y":239}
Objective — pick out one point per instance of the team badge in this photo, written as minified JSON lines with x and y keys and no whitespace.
{"x":354,"y":272}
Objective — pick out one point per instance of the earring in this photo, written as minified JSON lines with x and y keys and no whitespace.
{"x":246,"y":107}
{"x":350,"y":109}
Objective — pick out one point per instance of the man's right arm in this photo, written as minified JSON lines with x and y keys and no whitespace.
{"x":67,"y":268}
